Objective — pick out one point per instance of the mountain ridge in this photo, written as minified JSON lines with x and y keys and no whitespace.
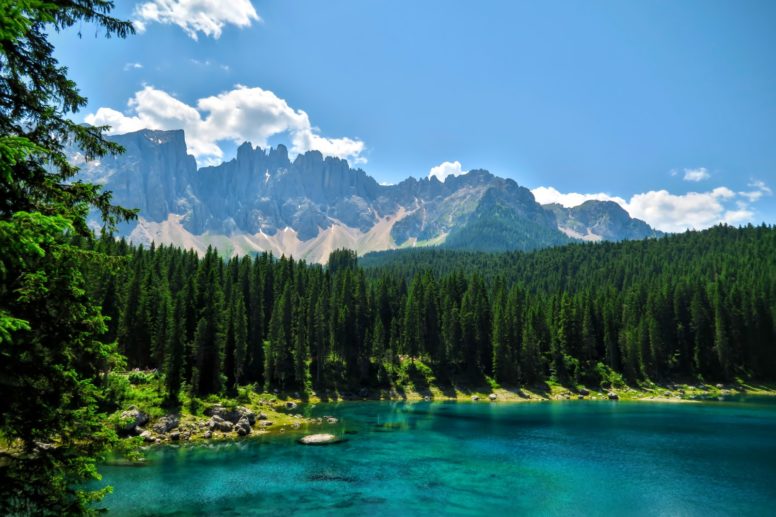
{"x":261,"y":200}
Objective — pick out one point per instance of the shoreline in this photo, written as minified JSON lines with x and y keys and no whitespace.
{"x":275,"y":414}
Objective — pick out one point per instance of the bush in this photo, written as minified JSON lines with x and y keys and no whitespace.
{"x":608,"y":378}
{"x":117,"y":388}
{"x":140,"y":377}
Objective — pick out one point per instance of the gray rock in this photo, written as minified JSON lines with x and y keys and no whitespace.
{"x":584,"y":392}
{"x":231,"y":415}
{"x":166,"y":423}
{"x":132,"y":419}
{"x":216,"y":423}
{"x":265,"y":423}
{"x":290,"y":405}
{"x":175,"y":436}
{"x":613,"y":396}
{"x":319,"y":439}
{"x":243,"y":427}
{"x":492,"y":396}
{"x":475,"y":398}
{"x":147,"y":437}
{"x":207,"y":435}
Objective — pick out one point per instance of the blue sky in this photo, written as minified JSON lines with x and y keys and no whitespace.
{"x":667,"y":107}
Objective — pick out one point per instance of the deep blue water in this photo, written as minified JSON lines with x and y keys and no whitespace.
{"x":555,"y":458}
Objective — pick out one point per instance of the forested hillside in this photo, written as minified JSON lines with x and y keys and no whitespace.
{"x":697,"y":305}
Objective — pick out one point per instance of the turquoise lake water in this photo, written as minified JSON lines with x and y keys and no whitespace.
{"x":554,"y":458}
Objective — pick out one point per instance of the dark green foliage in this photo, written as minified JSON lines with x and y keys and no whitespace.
{"x":53,"y":355}
{"x":698,"y":304}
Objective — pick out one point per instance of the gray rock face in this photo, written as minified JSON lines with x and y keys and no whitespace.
{"x":602,"y":219}
{"x":263,"y":192}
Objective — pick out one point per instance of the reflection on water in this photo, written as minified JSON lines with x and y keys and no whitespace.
{"x":571,"y":458}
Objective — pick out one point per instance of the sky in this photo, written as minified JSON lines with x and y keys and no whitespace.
{"x":665,"y":107}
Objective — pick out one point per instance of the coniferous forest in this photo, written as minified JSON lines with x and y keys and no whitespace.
{"x":699,"y":305}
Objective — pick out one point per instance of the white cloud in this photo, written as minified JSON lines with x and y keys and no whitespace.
{"x":132,"y":66}
{"x":241,"y":114}
{"x":666,"y":211}
{"x":445,"y":169}
{"x":209,"y":63}
{"x":675,"y":213}
{"x":696,"y":175}
{"x":547,"y":195}
{"x":760,"y":190}
{"x":194,"y":16}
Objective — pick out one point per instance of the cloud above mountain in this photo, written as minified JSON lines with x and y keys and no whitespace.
{"x":445,"y":169}
{"x":674,"y":212}
{"x":547,"y":195}
{"x":238,"y":115}
{"x":196,"y":16}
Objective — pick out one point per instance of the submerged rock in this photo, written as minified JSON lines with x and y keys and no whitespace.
{"x":319,"y":439}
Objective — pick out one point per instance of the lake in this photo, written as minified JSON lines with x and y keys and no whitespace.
{"x":550,"y":458}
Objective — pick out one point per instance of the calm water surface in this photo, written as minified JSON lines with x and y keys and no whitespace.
{"x":559,"y":458}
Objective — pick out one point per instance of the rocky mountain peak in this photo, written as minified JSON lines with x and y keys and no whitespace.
{"x":262,"y":201}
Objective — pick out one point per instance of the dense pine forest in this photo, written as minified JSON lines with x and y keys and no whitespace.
{"x":700,"y":305}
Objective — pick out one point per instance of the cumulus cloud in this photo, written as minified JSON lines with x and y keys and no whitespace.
{"x":445,"y":169}
{"x":760,"y":190}
{"x":666,"y":211}
{"x":195,"y":16}
{"x":132,"y":66}
{"x":241,"y":114}
{"x":696,"y":175}
{"x":547,"y":195}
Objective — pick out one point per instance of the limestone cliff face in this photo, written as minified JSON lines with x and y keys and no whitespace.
{"x":600,"y":220}
{"x":263,"y":201}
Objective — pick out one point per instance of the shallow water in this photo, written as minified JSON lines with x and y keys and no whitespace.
{"x":558,"y":458}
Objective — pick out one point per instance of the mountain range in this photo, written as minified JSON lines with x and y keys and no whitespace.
{"x":263,"y":201}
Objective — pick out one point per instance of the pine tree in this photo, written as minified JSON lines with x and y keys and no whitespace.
{"x":209,"y":337}
{"x":54,"y":360}
{"x":176,"y":350}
